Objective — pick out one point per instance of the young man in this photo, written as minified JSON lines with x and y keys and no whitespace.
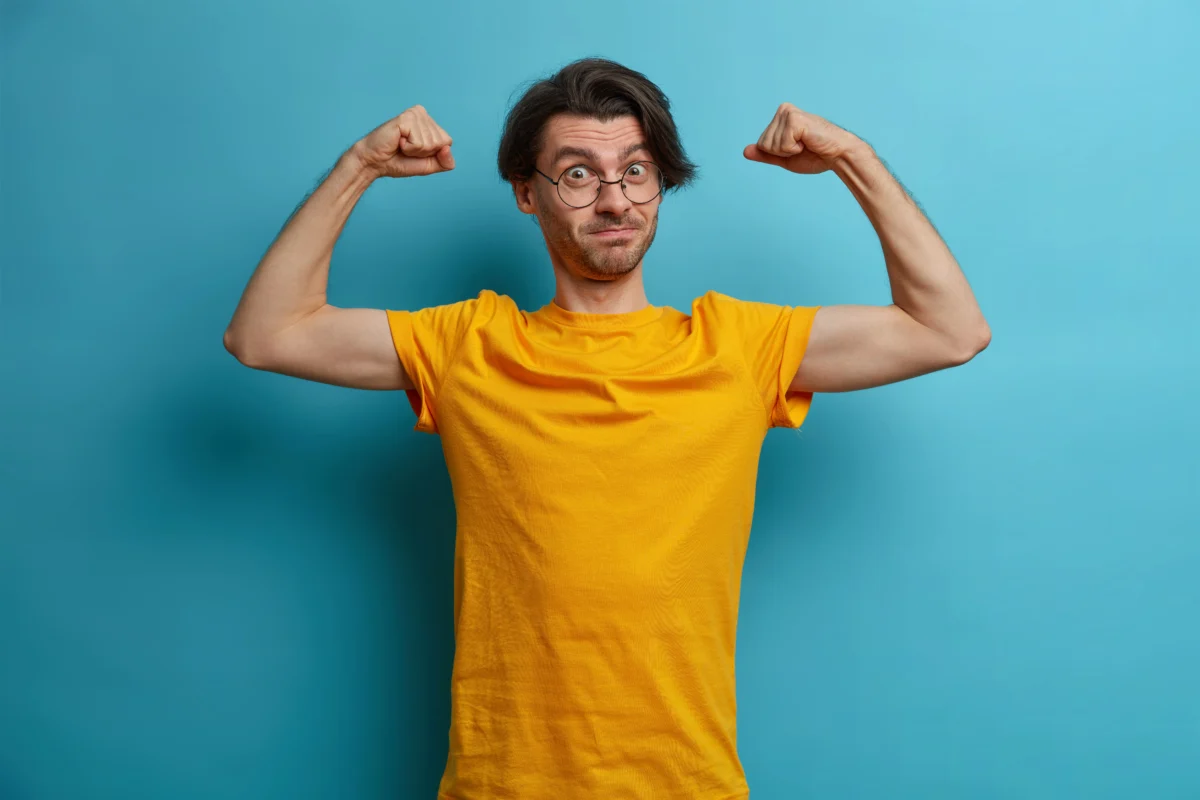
{"x":603,"y":451}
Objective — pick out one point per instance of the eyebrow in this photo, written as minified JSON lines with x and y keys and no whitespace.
{"x":583,"y":152}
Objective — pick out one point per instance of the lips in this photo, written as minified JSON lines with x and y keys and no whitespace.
{"x":611,"y":231}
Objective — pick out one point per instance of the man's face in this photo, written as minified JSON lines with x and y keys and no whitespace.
{"x":574,"y":234}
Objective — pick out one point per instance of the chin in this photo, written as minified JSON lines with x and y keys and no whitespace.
{"x":613,"y":270}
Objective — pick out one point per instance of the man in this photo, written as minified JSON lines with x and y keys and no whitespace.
{"x":603,"y":451}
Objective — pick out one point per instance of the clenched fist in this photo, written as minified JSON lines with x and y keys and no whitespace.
{"x":411,"y":144}
{"x":801,"y":142}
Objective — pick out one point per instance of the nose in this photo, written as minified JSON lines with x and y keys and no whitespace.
{"x":612,"y":200}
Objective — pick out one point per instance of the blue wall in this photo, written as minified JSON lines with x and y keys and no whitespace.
{"x":219,"y":583}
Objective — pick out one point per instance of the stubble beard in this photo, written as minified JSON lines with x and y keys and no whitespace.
{"x":598,"y":259}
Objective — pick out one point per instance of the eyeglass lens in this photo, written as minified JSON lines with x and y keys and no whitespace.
{"x":580,"y":186}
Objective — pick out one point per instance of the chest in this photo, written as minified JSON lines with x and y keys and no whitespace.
{"x":595,"y":415}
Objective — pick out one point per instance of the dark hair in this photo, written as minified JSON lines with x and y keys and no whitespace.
{"x":593,"y":87}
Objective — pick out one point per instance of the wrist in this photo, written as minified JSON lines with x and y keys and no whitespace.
{"x":856,"y":156}
{"x":356,"y":161}
{"x":861,"y":169}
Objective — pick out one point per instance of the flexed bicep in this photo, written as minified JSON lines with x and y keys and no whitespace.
{"x":858,"y":347}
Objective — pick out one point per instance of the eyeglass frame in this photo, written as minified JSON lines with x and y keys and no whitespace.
{"x":661,"y":182}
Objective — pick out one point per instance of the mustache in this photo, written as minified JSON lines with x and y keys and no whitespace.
{"x":612,"y":225}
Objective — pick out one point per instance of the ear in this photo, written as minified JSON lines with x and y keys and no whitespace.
{"x":525,"y":196}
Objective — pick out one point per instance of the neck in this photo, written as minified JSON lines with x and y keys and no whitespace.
{"x":618,"y":295}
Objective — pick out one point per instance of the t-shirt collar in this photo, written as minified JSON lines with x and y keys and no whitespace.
{"x":581,"y":319}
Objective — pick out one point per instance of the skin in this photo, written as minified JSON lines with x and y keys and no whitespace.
{"x":933,"y":322}
{"x":593,"y":274}
{"x":284,"y":323}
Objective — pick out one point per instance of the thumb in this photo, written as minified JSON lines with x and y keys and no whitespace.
{"x":753,"y":153}
{"x":445,"y":158}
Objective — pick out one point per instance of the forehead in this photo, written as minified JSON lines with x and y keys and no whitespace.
{"x":568,"y":136}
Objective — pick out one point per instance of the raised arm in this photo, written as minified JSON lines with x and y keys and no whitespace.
{"x":933,"y":322}
{"x":283,"y":322}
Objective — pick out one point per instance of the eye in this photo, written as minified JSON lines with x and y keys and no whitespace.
{"x":635,"y":171}
{"x":577,"y":173}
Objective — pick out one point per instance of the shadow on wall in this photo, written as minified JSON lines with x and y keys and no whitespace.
{"x":354,"y":513}
{"x":360,"y":533}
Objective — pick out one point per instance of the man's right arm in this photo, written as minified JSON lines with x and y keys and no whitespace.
{"x":283,"y":322}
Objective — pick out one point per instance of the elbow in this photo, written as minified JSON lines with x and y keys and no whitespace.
{"x":969,"y":346}
{"x":230,"y":343}
{"x":237,"y":348}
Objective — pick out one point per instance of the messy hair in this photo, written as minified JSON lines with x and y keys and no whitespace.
{"x":593,"y":87}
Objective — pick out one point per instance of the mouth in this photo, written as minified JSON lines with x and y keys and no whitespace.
{"x":614,"y":233}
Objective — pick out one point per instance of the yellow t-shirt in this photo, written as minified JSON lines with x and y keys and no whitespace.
{"x":603,"y":469}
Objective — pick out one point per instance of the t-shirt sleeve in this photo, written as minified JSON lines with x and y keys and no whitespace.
{"x":772,"y":339}
{"x":427,"y":341}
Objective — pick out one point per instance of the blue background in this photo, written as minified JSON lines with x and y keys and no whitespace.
{"x":220,"y":583}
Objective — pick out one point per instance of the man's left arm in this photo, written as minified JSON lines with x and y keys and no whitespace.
{"x":934,"y":321}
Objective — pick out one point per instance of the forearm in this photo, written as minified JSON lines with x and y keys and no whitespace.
{"x":926,"y":280}
{"x":290,"y":281}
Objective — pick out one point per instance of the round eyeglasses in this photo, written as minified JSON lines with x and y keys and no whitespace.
{"x":579,"y":186}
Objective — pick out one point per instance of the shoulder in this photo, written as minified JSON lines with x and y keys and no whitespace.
{"x":478,"y":309}
{"x":713,"y":304}
{"x":732,"y":311}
